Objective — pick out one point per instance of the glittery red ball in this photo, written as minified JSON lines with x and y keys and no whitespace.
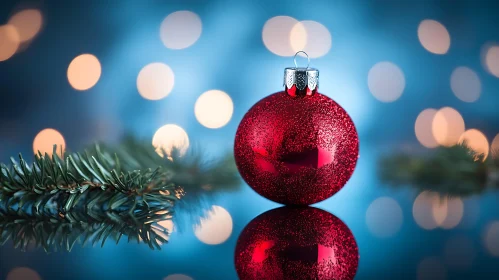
{"x":296,"y":150}
{"x":296,"y":243}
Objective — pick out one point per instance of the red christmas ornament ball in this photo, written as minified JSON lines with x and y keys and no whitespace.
{"x":296,"y":149}
{"x":296,"y":243}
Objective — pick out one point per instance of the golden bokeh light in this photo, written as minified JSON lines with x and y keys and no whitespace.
{"x":459,"y":252}
{"x":45,"y":141}
{"x":447,"y":126}
{"x":431,"y":268}
{"x":23,"y":273}
{"x":215,"y":228}
{"x":180,"y":30}
{"x":277,"y":37}
{"x":494,"y":147}
{"x":312,"y":37}
{"x":465,"y":84}
{"x":9,"y":41}
{"x":384,"y":217}
{"x":447,"y":212}
{"x":168,"y":137}
{"x":84,"y":71}
{"x":177,"y":277}
{"x":492,"y":60}
{"x":434,"y":36}
{"x":386,"y":81}
{"x":424,"y":128}
{"x":28,"y":23}
{"x":476,"y":140}
{"x":155,"y":81}
{"x":214,"y":109}
{"x":491,"y":238}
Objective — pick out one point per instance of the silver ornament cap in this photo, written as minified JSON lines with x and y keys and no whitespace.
{"x":301,"y":77}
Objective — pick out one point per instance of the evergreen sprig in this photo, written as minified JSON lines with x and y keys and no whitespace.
{"x":451,"y":171}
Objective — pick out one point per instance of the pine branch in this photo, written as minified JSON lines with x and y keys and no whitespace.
{"x":81,"y":182}
{"x":451,"y":171}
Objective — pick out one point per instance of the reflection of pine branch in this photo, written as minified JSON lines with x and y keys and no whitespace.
{"x":59,"y":234}
{"x":453,"y":171}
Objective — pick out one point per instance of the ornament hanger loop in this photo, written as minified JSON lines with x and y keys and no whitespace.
{"x":308,"y":58}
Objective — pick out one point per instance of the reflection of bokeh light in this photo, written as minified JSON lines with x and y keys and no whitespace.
{"x":45,"y":141}
{"x":447,"y":126}
{"x":422,"y":210}
{"x":216,"y":228}
{"x":491,"y":238}
{"x":84,"y":71}
{"x":430,"y":211}
{"x":492,"y":60}
{"x":465,"y":84}
{"x":459,"y":252}
{"x":180,"y":30}
{"x":476,"y":140}
{"x":434,"y":36}
{"x":168,"y":137}
{"x":384,"y":217}
{"x":23,"y":273}
{"x":276,"y":36}
{"x":423,"y":128}
{"x":9,"y":41}
{"x":432,"y":268}
{"x":386,"y":81}
{"x":214,"y":108}
{"x":447,"y":212}
{"x":178,"y":277}
{"x":155,"y":81}
{"x":28,"y":23}
{"x":315,"y":35}
{"x":494,"y":147}
{"x":168,"y":225}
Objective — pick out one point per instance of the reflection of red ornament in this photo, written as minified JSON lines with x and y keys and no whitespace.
{"x":296,"y":243}
{"x":297,"y":146}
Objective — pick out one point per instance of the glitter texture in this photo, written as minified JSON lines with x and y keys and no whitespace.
{"x":296,"y":243}
{"x":296,"y":150}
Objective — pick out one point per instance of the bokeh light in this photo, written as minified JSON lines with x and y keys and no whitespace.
{"x":177,"y":277}
{"x":214,"y":109}
{"x":492,"y":60}
{"x":23,"y":273}
{"x":215,"y":228}
{"x":494,"y":147}
{"x":447,"y":212}
{"x":491,"y":238}
{"x":386,"y":81}
{"x":45,"y":141}
{"x":431,"y":268}
{"x":434,"y":36}
{"x":277,"y":37}
{"x":9,"y":41}
{"x":28,"y":23}
{"x":155,"y":81}
{"x":84,"y":72}
{"x":384,"y":217}
{"x":316,"y":36}
{"x":459,"y":252}
{"x":476,"y":140}
{"x":465,"y":84}
{"x":424,"y":128}
{"x":180,"y":30}
{"x":168,"y":137}
{"x":447,"y":126}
